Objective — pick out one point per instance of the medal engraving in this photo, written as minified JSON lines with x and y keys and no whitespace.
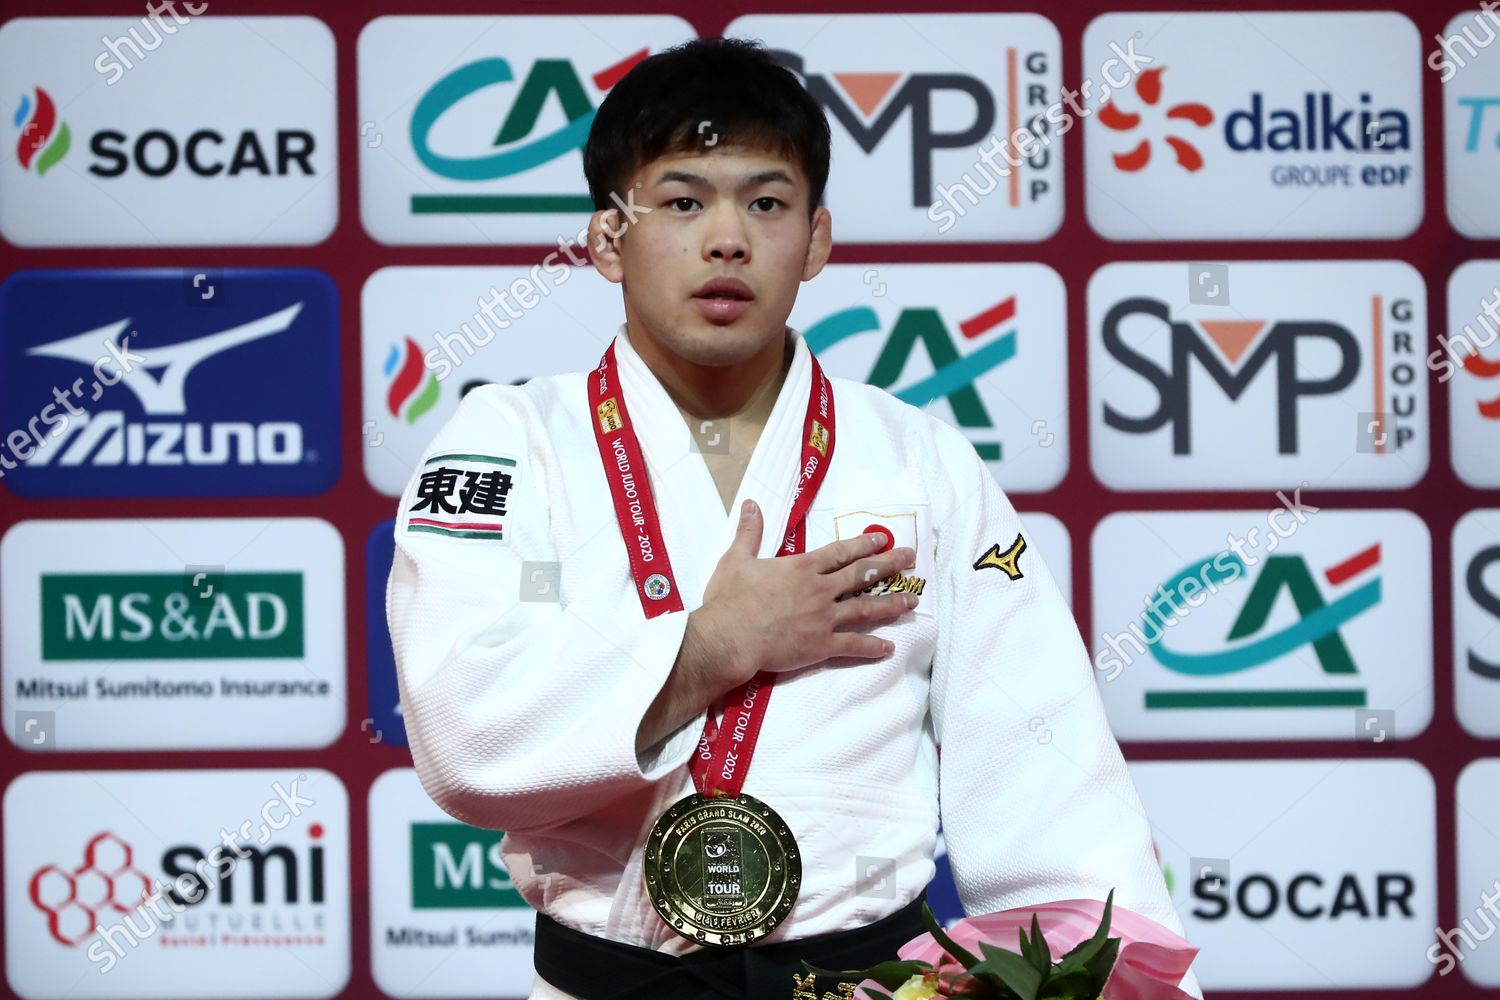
{"x":723,"y":870}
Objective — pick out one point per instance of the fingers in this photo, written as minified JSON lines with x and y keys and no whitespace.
{"x":836,"y":555}
{"x":872,"y":609}
{"x":747,"y":534}
{"x":866,"y":647}
{"x":866,"y":572}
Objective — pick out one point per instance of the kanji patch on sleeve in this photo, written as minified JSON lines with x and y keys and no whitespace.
{"x":461,"y":495}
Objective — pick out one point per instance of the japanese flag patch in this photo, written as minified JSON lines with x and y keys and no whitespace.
{"x":901,"y":525}
{"x":461,"y":495}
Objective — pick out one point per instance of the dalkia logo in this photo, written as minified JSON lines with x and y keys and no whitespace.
{"x":456,"y":866}
{"x":1252,"y":643}
{"x":1148,"y":89}
{"x":44,"y":139}
{"x":1231,"y":352}
{"x":991,"y":338}
{"x":155,"y":616}
{"x":515,"y":148}
{"x":1321,"y":122}
{"x":413,"y":389}
{"x":1482,"y":368}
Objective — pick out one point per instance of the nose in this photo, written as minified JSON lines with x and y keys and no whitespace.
{"x":725,"y":238}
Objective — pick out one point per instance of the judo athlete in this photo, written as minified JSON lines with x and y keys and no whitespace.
{"x":602,"y":577}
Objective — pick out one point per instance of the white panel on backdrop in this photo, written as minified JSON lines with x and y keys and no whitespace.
{"x":1258,"y":126}
{"x":428,"y":334}
{"x":177,"y":884}
{"x":1468,"y":65}
{"x":448,"y":154}
{"x":174,"y":634}
{"x":1301,"y":875}
{"x":149,"y":132}
{"x":937,"y":120}
{"x":983,"y":346}
{"x":1258,"y":375}
{"x":1468,"y":360}
{"x":445,"y":918}
{"x":1257,"y":626}
{"x":1476,"y":622}
{"x":1472,"y":944}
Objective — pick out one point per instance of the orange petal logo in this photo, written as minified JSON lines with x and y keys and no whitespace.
{"x":1148,"y":89}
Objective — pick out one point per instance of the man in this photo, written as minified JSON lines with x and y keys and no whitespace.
{"x":592,"y":567}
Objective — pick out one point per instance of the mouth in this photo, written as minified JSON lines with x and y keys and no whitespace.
{"x":732,"y":289}
{"x":723,"y":300}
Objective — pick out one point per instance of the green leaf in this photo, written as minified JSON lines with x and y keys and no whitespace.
{"x":1043,"y":957}
{"x":1101,"y":963}
{"x":942,"y":938}
{"x":1085,"y":952}
{"x":1012,"y":969}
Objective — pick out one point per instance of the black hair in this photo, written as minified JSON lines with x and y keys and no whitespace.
{"x":735,"y":85}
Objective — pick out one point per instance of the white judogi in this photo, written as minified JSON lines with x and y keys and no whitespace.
{"x":522,"y":714}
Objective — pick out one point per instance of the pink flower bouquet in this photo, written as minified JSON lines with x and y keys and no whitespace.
{"x":1143,"y":961}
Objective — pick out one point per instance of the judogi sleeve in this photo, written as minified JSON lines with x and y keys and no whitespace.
{"x":1036,"y":802}
{"x":521,"y":710}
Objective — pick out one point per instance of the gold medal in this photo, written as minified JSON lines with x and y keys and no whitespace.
{"x":723,"y":870}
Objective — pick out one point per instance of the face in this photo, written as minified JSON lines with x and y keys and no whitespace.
{"x":719,"y":243}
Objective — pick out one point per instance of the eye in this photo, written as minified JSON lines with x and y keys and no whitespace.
{"x":684,"y":204}
{"x":767,"y":202}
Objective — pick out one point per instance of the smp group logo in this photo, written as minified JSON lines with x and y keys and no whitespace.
{"x":160,"y":159}
{"x":237,"y":885}
{"x":1301,"y":623}
{"x":1469,"y":64}
{"x":918,"y":128}
{"x":487,"y":147}
{"x":446,"y":919}
{"x":1468,"y":359}
{"x":977,"y":345}
{"x":1258,"y":375}
{"x":1339,"y":877}
{"x":169,"y":383}
{"x":1476,"y":621}
{"x":430,"y":335}
{"x":1260,"y":126}
{"x":173,"y":634}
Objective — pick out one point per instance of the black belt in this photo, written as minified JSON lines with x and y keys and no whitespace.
{"x":595,"y":968}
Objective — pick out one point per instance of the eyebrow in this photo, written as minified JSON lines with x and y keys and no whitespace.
{"x":751,"y":180}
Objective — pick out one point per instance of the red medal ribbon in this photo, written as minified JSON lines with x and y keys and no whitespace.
{"x":723,"y":751}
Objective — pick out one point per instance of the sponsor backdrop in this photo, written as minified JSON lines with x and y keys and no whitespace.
{"x":1215,"y":295}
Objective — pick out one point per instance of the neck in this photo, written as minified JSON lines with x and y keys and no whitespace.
{"x":718,"y":392}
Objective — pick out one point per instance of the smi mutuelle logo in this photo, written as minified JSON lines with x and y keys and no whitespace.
{"x":44,"y":138}
{"x":160,"y":383}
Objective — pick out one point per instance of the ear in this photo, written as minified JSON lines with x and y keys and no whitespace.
{"x":604,"y":244}
{"x":819,"y":243}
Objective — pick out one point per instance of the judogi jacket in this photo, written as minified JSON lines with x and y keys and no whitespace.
{"x":526,"y":664}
